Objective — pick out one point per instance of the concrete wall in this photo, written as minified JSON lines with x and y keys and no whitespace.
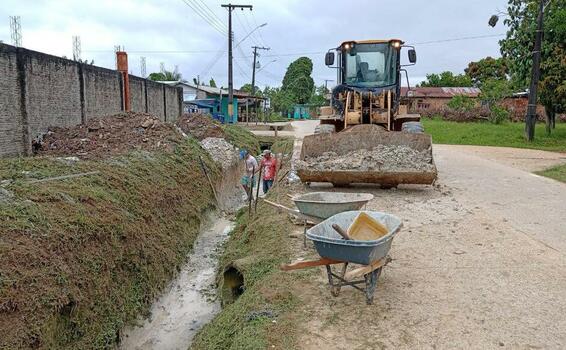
{"x":39,"y":91}
{"x":102,"y":92}
{"x":155,"y":99}
{"x":137,"y":94}
{"x":11,"y":128}
{"x":174,"y":103}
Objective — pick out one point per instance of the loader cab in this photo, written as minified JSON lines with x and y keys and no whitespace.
{"x":368,"y":64}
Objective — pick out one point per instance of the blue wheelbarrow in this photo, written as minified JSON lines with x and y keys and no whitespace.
{"x":333,"y":249}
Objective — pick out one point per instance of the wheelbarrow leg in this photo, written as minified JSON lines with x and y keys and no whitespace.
{"x":335,"y":287}
{"x":305,"y":234}
{"x":371,"y":283}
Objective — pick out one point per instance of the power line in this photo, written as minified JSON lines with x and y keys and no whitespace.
{"x":211,"y":15}
{"x":204,"y":17}
{"x":458,"y":39}
{"x":264,"y":43}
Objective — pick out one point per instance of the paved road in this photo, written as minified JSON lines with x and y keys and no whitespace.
{"x":480,"y":262}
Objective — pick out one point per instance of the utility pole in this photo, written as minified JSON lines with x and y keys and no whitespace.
{"x":531,"y":117}
{"x":231,"y":7}
{"x":255,"y":59}
{"x":326,"y":83}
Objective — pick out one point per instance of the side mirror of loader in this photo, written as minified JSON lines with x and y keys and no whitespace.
{"x":412,"y":56}
{"x":329,"y":58}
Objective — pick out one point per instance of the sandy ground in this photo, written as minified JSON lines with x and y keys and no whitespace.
{"x":480,"y":262}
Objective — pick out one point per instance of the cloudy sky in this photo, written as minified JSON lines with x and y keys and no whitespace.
{"x":173,"y":32}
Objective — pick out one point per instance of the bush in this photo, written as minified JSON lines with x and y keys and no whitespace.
{"x":498,"y":114}
{"x":461,"y":103}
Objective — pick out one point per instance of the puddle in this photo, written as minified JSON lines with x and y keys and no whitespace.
{"x":189,"y":302}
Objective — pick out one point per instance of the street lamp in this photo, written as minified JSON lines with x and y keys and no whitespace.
{"x":250,"y":33}
{"x":265,"y":65}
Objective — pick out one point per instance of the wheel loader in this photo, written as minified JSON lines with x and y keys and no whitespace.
{"x":367,"y":110}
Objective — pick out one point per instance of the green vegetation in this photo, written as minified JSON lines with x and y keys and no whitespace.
{"x":260,"y":245}
{"x":82,"y":257}
{"x":556,"y":173}
{"x":487,"y":134}
{"x":241,"y":138}
{"x":166,"y":76}
{"x":446,"y":79}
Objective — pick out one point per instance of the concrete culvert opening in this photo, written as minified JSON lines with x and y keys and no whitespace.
{"x":233,"y":285}
{"x":263,"y":145}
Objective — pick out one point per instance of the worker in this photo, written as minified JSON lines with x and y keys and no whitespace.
{"x":251,"y":168}
{"x":269,"y":166}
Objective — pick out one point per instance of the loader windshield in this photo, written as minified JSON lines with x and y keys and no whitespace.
{"x":370,"y":65}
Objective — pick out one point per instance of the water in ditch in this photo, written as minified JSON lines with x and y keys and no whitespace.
{"x":189,"y":302}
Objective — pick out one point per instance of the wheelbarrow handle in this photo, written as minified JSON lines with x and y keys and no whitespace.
{"x":341,"y":231}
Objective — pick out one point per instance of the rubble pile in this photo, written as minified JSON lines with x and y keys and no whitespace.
{"x":221,"y":151}
{"x":200,"y":126}
{"x":110,"y":135}
{"x":380,"y":158}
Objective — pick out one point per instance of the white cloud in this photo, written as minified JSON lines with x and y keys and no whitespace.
{"x":294,"y":26}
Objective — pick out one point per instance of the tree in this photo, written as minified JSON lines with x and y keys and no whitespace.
{"x":487,"y":68}
{"x":518,"y":45}
{"x":212,"y":83}
{"x":248,"y":88}
{"x":281,"y":101}
{"x":165,"y":76}
{"x":319,"y":97}
{"x":446,"y":79}
{"x":297,"y":82}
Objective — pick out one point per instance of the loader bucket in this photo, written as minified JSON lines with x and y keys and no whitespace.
{"x":348,"y":141}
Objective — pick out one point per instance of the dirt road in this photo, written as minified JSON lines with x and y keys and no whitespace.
{"x":480,"y":262}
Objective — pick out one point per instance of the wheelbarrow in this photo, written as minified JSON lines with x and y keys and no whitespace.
{"x":372,"y":255}
{"x":315,"y":207}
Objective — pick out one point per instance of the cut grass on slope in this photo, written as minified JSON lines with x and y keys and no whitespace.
{"x":82,"y":257}
{"x":487,"y":134}
{"x":556,"y":173}
{"x":241,"y":138}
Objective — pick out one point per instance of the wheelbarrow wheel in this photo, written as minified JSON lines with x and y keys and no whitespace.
{"x":371,"y":283}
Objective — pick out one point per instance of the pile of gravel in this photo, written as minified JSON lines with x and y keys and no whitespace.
{"x":380,"y":158}
{"x":221,"y":151}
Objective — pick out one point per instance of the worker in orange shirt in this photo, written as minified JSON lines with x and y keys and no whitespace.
{"x":269,"y":165}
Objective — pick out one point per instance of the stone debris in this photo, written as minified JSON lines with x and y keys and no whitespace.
{"x":380,"y":158}
{"x":221,"y":151}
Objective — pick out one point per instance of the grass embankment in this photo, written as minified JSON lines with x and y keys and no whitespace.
{"x":262,"y":316}
{"x":487,"y":134}
{"x":241,"y":138}
{"x":556,"y":173}
{"x":81,"y":257}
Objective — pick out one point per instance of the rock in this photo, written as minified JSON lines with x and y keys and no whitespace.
{"x":221,"y":151}
{"x":147,"y":123}
{"x":5,"y":196}
{"x":380,"y":158}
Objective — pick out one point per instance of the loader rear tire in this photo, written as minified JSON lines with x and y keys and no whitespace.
{"x":412,"y":127}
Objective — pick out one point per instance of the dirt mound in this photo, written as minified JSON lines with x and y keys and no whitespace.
{"x":111,"y":135}
{"x":200,"y":126}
